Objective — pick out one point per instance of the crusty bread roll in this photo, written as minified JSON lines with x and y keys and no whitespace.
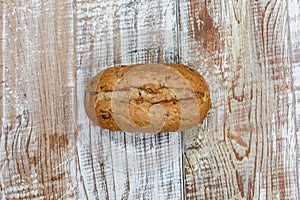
{"x":150,"y":98}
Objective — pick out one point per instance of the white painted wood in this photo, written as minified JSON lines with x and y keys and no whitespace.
{"x":247,"y":147}
{"x":37,"y":139}
{"x":294,"y":25}
{"x":248,"y":51}
{"x":116,"y":165}
{"x":1,"y":66}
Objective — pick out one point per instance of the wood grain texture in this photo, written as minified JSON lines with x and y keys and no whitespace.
{"x":1,"y":71}
{"x":37,"y":137}
{"x":294,"y":24}
{"x":1,"y":79}
{"x":117,"y":165}
{"x":248,"y":51}
{"x":247,"y":147}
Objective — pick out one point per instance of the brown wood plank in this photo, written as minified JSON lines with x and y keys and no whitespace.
{"x":294,"y":19}
{"x":116,"y":165}
{"x":246,"y":149}
{"x":37,"y":142}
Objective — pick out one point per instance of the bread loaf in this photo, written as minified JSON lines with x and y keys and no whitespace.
{"x":150,"y":98}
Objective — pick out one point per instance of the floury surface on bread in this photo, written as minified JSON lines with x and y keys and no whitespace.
{"x":150,"y":98}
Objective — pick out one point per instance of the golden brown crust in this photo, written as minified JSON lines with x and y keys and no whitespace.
{"x":90,"y":92}
{"x":100,"y":90}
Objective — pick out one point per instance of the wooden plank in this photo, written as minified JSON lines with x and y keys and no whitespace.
{"x":294,"y":25}
{"x":1,"y":71}
{"x":116,"y":165}
{"x":1,"y":78}
{"x":37,"y":142}
{"x":246,"y":149}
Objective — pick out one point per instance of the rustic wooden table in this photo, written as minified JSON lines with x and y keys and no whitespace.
{"x":248,"y":51}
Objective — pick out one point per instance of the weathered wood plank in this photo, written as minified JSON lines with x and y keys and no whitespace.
{"x":1,"y":71}
{"x":115,"y":165}
{"x":37,"y":141}
{"x":247,"y":147}
{"x":294,"y":25}
{"x":1,"y":78}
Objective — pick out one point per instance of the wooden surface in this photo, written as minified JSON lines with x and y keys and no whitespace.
{"x":247,"y":147}
{"x":39,"y":132}
{"x":294,"y":17}
{"x":248,"y":51}
{"x":117,"y":165}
